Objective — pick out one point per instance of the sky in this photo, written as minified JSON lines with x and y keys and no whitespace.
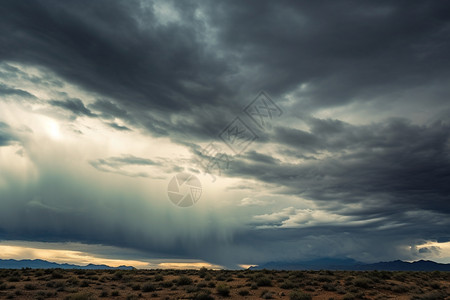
{"x":164,"y":134}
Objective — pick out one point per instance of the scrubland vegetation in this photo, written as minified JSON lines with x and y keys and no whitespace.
{"x":222,"y":284}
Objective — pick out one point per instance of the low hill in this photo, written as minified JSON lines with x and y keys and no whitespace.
{"x":43,"y":264}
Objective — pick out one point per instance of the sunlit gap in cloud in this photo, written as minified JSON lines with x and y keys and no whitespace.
{"x":437,"y":251}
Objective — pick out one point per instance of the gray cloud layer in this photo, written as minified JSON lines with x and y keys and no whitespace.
{"x":187,"y":74}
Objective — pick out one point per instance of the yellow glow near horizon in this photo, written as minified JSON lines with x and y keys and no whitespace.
{"x":64,"y":256}
{"x":84,"y":258}
{"x":193,"y":265}
{"x":247,"y":266}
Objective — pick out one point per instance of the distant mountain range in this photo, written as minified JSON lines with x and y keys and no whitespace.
{"x":43,"y":264}
{"x":352,"y":265}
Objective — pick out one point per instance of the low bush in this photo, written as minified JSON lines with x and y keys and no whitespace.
{"x":298,"y":295}
{"x":203,"y":295}
{"x":329,"y":287}
{"x":223,"y":290}
{"x":104,"y":294}
{"x":363,"y":282}
{"x":80,"y":296}
{"x":263,"y":281}
{"x":265,"y":294}
{"x":287,"y":285}
{"x":244,"y":292}
{"x":30,"y":287}
{"x":166,"y":284}
{"x":184,"y":280}
{"x":147,"y":288}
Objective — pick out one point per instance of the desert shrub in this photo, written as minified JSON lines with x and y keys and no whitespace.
{"x":202,"y":272}
{"x":265,"y":294}
{"x":104,"y":294}
{"x":184,"y":280}
{"x":14,"y":279}
{"x":191,"y":289}
{"x":208,"y":277}
{"x":434,"y":295}
{"x":166,"y":284}
{"x":329,"y":287}
{"x":263,"y":281}
{"x":30,"y":287}
{"x":118,"y":275}
{"x":73,"y":280}
{"x":298,"y":295}
{"x":435,"y":285}
{"x":363,"y":282}
{"x":385,"y":275}
{"x":287,"y":285}
{"x":324,"y":279}
{"x":254,"y":286}
{"x":57,"y":274}
{"x":136,"y":287}
{"x":349,"y":297}
{"x":115,"y":293}
{"x":150,"y":287}
{"x":159,"y":277}
{"x":211,"y":284}
{"x":400,"y":276}
{"x":3,"y":287}
{"x":244,"y":292}
{"x":221,"y":277}
{"x":400,"y":288}
{"x":84,"y":283}
{"x":203,"y":295}
{"x":223,"y":290}
{"x":80,"y":296}
{"x":298,"y":274}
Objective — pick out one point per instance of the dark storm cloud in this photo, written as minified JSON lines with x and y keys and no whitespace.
{"x":119,"y":165}
{"x":119,"y":127}
{"x":343,"y":51}
{"x":108,"y":109}
{"x":116,"y":164}
{"x":75,"y":106}
{"x":6,"y":137}
{"x":395,"y":162}
{"x":6,"y":90}
{"x":101,"y":46}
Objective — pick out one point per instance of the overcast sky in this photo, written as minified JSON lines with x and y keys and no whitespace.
{"x":333,"y":120}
